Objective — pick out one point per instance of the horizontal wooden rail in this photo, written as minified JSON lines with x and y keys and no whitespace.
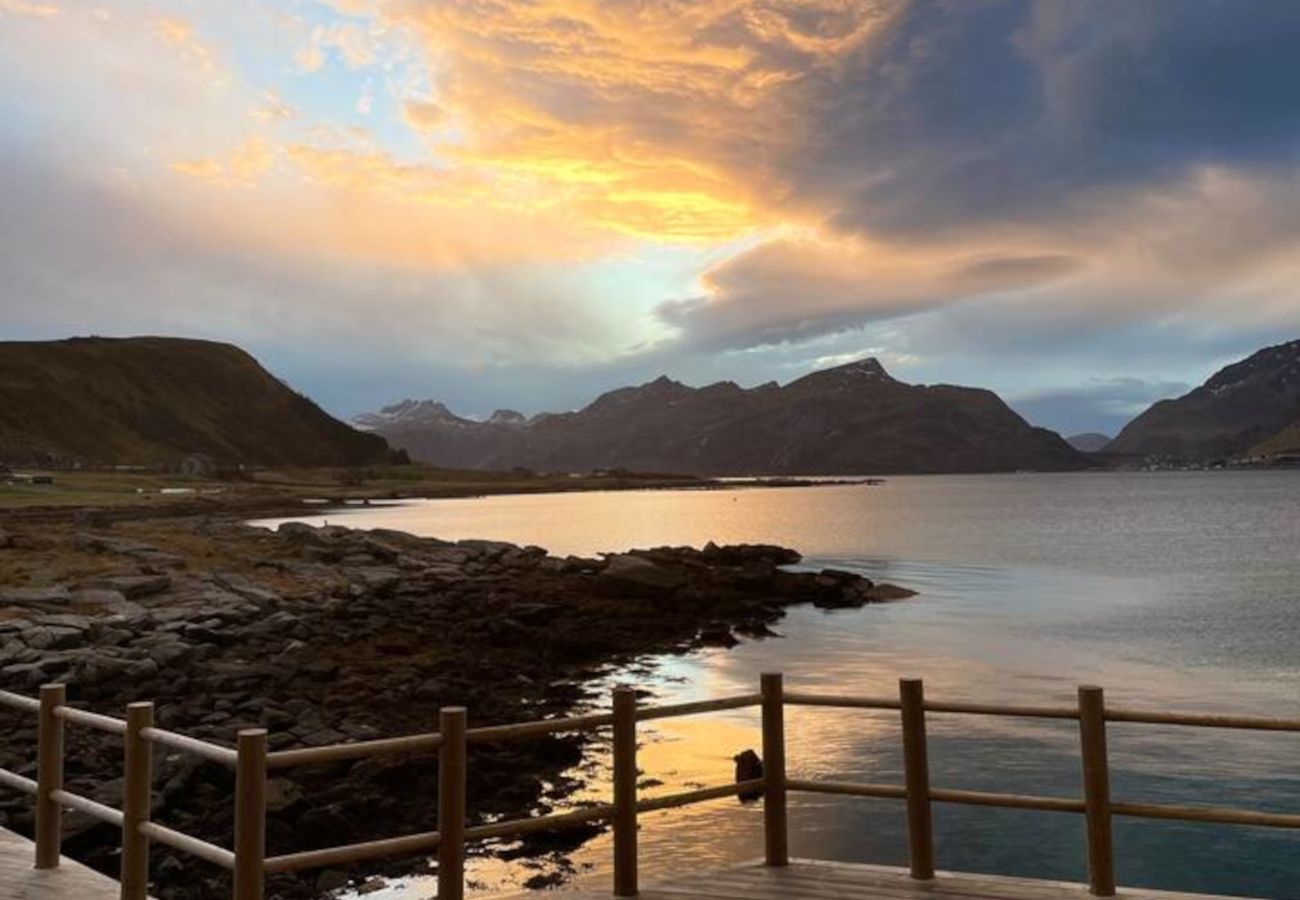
{"x":216,"y":753}
{"x":17,"y":782}
{"x":992,"y":709}
{"x":556,"y":822}
{"x":525,"y":730}
{"x":803,"y":698}
{"x":1147,"y":717}
{"x":700,"y":795}
{"x":351,"y":853}
{"x":673,"y":710}
{"x":1244,"y":723}
{"x":90,"y":807}
{"x":18,"y":701}
{"x":595,"y":721}
{"x":1219,"y":814}
{"x":219,"y":856}
{"x":308,"y":756}
{"x":1008,"y":801}
{"x":884,"y":791}
{"x":430,"y":741}
{"x":91,"y":719}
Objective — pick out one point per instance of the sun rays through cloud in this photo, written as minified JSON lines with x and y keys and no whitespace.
{"x":696,"y":186}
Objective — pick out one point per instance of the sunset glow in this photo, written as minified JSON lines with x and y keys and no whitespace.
{"x":522,"y":202}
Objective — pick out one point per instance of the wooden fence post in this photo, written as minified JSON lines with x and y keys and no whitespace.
{"x":137,"y":797}
{"x":250,"y":815}
{"x":625,"y":850}
{"x":1096,"y":791}
{"x":916,"y":770}
{"x":776,"y":835}
{"x":49,"y":777}
{"x":451,"y":803}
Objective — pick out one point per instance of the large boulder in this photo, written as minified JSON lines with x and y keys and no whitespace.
{"x":39,"y":597}
{"x":628,"y":575}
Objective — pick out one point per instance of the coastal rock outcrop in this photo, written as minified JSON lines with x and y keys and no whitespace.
{"x":324,"y":635}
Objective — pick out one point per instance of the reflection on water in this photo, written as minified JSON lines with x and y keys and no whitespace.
{"x":1172,"y":591}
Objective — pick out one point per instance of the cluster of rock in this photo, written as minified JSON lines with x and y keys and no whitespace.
{"x":324,"y":635}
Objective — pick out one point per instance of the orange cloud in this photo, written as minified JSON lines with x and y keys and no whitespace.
{"x":804,"y":286}
{"x":423,"y":115}
{"x":25,"y":8}
{"x":241,"y":167}
{"x":656,"y":119}
{"x":180,"y":36}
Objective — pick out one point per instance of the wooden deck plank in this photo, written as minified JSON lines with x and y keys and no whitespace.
{"x":819,"y":880}
{"x":20,"y":880}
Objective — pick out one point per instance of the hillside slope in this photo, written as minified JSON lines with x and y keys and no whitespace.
{"x":154,"y":400}
{"x":1285,"y":443}
{"x":1089,"y":441}
{"x":1240,"y":406}
{"x":853,"y":419}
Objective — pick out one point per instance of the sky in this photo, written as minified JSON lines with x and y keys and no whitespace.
{"x":1085,"y":206}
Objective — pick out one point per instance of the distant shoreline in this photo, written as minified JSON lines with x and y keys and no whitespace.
{"x":122,"y":496}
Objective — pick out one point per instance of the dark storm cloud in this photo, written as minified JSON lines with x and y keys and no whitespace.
{"x":984,"y":114}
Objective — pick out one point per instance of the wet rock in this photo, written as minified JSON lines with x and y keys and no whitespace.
{"x":375,"y":579}
{"x":336,"y":652}
{"x":741,"y":554}
{"x":100,"y":600}
{"x":282,"y":795}
{"x":102,"y":543}
{"x":52,"y":637}
{"x":35,"y":596}
{"x":331,"y":880}
{"x":636,"y":576}
{"x":132,"y":587}
{"x":64,"y":620}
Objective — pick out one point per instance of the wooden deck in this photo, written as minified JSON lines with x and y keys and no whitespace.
{"x":19,"y":880}
{"x":816,"y":880}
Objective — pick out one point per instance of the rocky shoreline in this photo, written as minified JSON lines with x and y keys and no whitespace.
{"x":327,"y":634}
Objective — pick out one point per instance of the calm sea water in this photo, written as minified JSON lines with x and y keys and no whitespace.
{"x":1173,"y":591}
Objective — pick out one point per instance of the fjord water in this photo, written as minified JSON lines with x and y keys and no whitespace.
{"x":1175,"y":591}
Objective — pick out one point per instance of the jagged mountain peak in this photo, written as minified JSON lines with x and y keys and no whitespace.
{"x":852,"y":419}
{"x":406,"y":413}
{"x":868,"y":367}
{"x":849,"y":376}
{"x":507,"y":417}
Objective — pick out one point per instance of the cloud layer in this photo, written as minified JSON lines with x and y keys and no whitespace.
{"x":586,"y":190}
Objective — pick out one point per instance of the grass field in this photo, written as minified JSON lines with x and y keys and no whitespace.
{"x":268,"y":487}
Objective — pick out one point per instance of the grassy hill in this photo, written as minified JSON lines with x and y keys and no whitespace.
{"x":153,"y":401}
{"x":1285,"y":443}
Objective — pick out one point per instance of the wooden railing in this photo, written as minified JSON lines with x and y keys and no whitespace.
{"x":251,"y":762}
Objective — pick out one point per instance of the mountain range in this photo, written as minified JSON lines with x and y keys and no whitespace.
{"x":154,"y":401}
{"x":1249,"y":408}
{"x":851,"y":419}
